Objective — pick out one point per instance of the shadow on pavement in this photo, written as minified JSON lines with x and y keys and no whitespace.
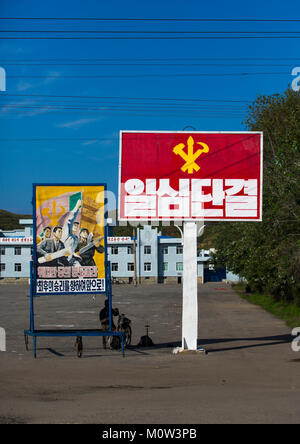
{"x":265,"y":341}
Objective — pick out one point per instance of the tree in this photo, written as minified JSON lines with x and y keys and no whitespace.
{"x":267,"y":253}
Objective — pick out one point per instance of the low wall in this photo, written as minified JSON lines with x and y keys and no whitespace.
{"x":14,"y":281}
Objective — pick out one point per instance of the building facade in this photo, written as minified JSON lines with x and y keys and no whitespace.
{"x":158,"y":259}
{"x":149,"y":258}
{"x":16,"y":251}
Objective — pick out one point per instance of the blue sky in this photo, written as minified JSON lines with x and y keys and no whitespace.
{"x":66,"y":100}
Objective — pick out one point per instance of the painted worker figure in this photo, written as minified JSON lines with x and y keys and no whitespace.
{"x":86,"y":258}
{"x":69,"y":231}
{"x":45,"y":234}
{"x":49,"y":246}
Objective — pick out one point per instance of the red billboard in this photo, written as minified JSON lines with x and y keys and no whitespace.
{"x":213,"y":176}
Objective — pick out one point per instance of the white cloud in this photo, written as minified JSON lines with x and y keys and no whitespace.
{"x":13,"y":107}
{"x":52,"y":78}
{"x":37,"y":112}
{"x":89,"y":142}
{"x":23,"y":86}
{"x":75,"y":124}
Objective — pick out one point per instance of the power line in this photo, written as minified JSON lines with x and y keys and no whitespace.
{"x":162,"y":106}
{"x":118,"y":76}
{"x":126,"y":98}
{"x":148,"y":64}
{"x":70,"y":139}
{"x":126,"y":102}
{"x":155,"y":38}
{"x":117,"y":107}
{"x":59,"y":107}
{"x":123,"y":107}
{"x":107,"y":19}
{"x":133,"y":113}
{"x":151,"y":59}
{"x":95,"y":31}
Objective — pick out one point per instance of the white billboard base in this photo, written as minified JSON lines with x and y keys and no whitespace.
{"x":190,"y":293}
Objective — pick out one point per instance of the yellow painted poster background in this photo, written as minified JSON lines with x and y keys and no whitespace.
{"x":92,"y":211}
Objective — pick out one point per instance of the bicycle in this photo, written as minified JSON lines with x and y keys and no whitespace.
{"x":123,"y":325}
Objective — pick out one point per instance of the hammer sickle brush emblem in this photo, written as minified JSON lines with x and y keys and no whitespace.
{"x":190,"y":157}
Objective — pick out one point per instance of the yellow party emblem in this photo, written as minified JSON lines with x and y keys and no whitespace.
{"x":190,"y":157}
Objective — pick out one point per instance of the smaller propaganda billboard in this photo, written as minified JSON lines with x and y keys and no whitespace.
{"x":69,"y":239}
{"x":190,"y":176}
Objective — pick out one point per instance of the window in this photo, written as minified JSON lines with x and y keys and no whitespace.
{"x":179,"y":250}
{"x":114,"y":250}
{"x":179,"y":266}
{"x":147,"y":249}
{"x":2,"y":267}
{"x":165,"y":250}
{"x":18,"y":251}
{"x":114,"y":266}
{"x":130,"y":266}
{"x":18,"y":267}
{"x":2,"y":251}
{"x":147,"y":266}
{"x":165,"y":266}
{"x":130,"y":249}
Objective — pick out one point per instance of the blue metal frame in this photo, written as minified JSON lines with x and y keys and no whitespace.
{"x":77,"y":333}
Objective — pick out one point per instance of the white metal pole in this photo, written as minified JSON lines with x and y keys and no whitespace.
{"x":190,"y":294}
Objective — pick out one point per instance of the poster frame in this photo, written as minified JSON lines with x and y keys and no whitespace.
{"x":188,"y":219}
{"x":34,"y":255}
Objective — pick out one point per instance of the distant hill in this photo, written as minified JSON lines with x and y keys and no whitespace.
{"x":10,"y":221}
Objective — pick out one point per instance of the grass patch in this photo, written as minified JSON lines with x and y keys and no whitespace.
{"x":290,"y":313}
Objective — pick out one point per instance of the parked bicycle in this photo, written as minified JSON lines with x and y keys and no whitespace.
{"x":123,"y":325}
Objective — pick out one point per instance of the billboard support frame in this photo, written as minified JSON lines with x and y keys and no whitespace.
{"x":189,"y":233}
{"x":78,"y":333}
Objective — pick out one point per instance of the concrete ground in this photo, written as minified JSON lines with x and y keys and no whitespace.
{"x":250,"y":374}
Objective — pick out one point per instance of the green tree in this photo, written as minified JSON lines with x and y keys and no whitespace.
{"x":267,"y":253}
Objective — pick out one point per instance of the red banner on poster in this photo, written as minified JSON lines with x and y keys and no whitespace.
{"x":190,"y":176}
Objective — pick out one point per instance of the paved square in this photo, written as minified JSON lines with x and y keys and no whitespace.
{"x":250,"y":374}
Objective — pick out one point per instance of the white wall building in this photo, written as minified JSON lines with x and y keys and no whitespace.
{"x":158,"y":259}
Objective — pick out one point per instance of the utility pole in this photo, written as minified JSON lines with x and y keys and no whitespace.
{"x":134,"y":260}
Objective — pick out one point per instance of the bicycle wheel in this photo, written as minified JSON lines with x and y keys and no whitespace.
{"x":79,"y":346}
{"x":108,"y":341}
{"x":115,"y":343}
{"x":127,"y":336}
